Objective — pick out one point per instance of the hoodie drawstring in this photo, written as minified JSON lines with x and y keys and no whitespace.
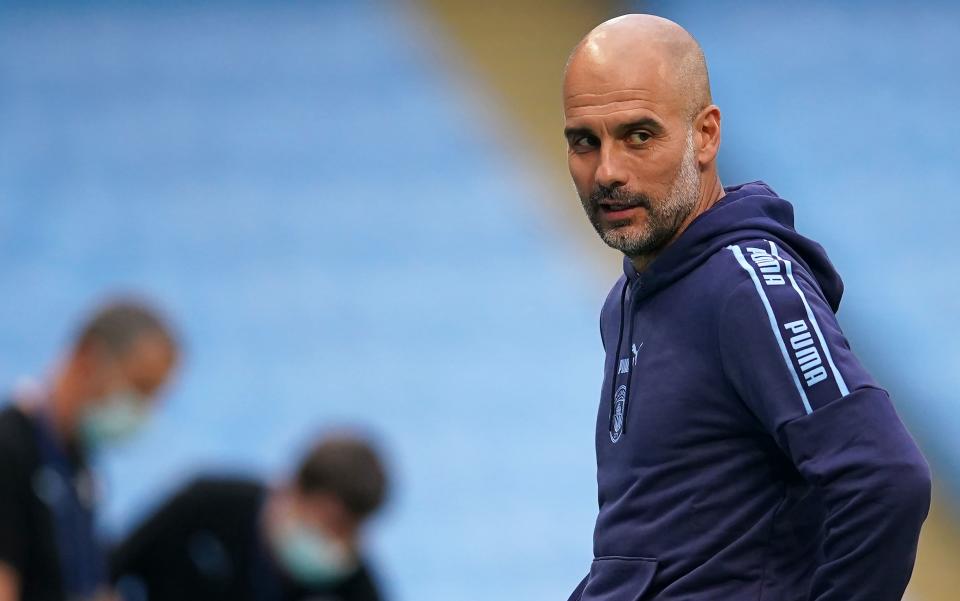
{"x":633,"y":365}
{"x":616,"y":364}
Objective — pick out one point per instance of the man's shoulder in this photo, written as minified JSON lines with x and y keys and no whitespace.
{"x":17,"y":438}
{"x":613,"y":296}
{"x":362,"y":585}
{"x":13,"y":421}
{"x":761,"y":276}
{"x":750,"y":265}
{"x":221,"y":504}
{"x":611,"y":305}
{"x":217,"y":488}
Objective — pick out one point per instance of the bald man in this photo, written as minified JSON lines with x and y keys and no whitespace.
{"x":743,"y":453}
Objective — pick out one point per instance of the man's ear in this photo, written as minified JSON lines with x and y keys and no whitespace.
{"x":706,"y":127}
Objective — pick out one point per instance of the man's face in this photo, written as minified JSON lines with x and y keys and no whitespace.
{"x":142,"y":371}
{"x":312,"y":536}
{"x":113,"y":394}
{"x":631,"y":154}
{"x":324,"y":512}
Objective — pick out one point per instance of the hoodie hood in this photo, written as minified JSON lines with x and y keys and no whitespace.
{"x":747,"y":212}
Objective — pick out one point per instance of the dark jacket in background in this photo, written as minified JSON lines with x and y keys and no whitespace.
{"x":205,"y":545}
{"x":46,"y":512}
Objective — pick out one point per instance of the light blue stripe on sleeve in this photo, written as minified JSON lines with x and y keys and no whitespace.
{"x":844,"y":391}
{"x":773,"y":323}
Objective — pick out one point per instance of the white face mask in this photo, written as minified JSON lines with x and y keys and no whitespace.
{"x":310,"y":555}
{"x":113,"y":419}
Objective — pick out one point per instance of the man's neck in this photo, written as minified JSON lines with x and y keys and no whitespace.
{"x":708,"y":197}
{"x":61,"y":410}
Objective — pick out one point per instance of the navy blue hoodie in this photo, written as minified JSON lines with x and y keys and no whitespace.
{"x":743,"y":453}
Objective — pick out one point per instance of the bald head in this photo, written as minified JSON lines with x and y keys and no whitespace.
{"x":642,"y":132}
{"x":632,"y":50}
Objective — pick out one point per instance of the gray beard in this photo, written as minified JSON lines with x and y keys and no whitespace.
{"x":664,"y":216}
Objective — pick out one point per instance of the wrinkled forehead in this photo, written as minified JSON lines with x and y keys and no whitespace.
{"x":597,"y":83}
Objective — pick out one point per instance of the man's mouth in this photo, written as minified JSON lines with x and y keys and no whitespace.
{"x":615,"y":211}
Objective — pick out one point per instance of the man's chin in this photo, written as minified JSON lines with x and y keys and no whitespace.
{"x":625,"y":239}
{"x":624,"y":230}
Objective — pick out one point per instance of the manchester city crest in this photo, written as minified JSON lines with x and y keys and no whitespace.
{"x":619,"y":400}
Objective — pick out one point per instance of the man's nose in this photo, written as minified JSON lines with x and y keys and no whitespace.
{"x":610,"y":172}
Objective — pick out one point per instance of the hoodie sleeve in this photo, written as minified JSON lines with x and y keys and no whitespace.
{"x":784,"y":353}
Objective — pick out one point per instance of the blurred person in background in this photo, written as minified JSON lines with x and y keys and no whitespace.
{"x":743,"y":452}
{"x":240,"y":540}
{"x":100,"y":394}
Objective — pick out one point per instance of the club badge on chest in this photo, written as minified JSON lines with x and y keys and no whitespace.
{"x":616,"y":423}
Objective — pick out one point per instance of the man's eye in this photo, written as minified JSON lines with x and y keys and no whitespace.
{"x":582,"y":143}
{"x":638,"y":137}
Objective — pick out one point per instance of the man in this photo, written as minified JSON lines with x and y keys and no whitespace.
{"x":742,"y":450}
{"x":237,"y":540}
{"x":99,"y":395}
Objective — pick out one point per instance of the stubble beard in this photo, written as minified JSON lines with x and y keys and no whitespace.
{"x":664,"y":216}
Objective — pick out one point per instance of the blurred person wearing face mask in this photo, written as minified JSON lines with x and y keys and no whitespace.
{"x":99,"y":395}
{"x":239,"y":540}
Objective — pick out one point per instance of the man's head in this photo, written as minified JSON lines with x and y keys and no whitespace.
{"x":642,"y":131}
{"x":315,"y":521}
{"x":120,"y":360}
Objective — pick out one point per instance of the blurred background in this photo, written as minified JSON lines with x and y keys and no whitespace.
{"x":358,"y":213}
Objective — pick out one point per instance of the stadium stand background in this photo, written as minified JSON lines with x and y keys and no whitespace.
{"x":358,"y":213}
